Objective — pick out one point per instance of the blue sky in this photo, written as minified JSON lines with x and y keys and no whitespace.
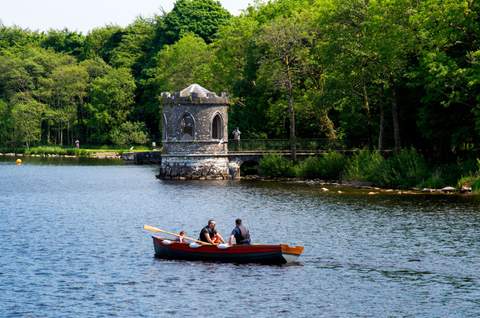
{"x":83,"y":15}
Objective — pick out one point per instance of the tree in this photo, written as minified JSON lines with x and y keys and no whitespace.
{"x":448,"y":34}
{"x":188,"y":61}
{"x":27,"y":120}
{"x":64,"y":41}
{"x":134,"y":45}
{"x":129,"y":133}
{"x":201,"y":17}
{"x":286,"y":43}
{"x":102,"y":41}
{"x":65,"y":92}
{"x":111,"y":100}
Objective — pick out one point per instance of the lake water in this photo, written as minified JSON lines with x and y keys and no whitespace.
{"x":72,"y":245}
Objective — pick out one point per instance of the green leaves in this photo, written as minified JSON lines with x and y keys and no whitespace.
{"x":201,"y":17}
{"x":188,"y":61}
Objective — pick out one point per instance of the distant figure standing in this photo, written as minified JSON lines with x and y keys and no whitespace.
{"x":236,"y":138}
{"x":240,"y":234}
{"x":77,"y":144}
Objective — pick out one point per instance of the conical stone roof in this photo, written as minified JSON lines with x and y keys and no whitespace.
{"x":196,"y":89}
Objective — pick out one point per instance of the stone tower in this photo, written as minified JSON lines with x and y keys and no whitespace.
{"x":195,"y":135}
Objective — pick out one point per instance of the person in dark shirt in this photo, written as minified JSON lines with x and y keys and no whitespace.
{"x":240,"y":234}
{"x":210,"y":235}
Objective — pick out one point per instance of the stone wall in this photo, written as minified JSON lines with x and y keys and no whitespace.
{"x":203,"y":117}
{"x":189,"y":149}
{"x":195,"y":147}
{"x":195,"y":168}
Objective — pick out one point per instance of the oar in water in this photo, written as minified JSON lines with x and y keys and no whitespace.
{"x":157,"y":230}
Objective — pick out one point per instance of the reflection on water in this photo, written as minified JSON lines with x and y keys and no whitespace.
{"x":72,"y":244}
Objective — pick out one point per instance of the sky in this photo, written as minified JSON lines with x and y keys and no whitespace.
{"x":84,"y":15}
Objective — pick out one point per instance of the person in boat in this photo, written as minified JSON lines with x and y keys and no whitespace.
{"x":210,"y":235}
{"x":181,"y":237}
{"x":240,"y":234}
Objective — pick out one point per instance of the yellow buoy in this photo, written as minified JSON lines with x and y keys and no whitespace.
{"x":18,"y":162}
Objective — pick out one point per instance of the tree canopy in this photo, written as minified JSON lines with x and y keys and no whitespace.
{"x":377,"y":74}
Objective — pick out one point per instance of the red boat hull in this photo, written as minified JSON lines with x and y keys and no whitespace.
{"x":264,"y":254}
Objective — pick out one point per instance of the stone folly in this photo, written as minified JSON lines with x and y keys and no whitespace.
{"x":195,"y":135}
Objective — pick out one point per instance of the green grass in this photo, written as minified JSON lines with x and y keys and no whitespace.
{"x":86,"y":151}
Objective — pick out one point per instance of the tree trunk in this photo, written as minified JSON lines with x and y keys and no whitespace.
{"x":366,"y":106}
{"x":61,"y":135}
{"x":381,"y":128}
{"x":396,"y":124}
{"x":48,"y":133}
{"x":293,"y":139}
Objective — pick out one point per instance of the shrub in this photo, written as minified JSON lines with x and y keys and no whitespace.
{"x":46,"y":150}
{"x":406,"y":168}
{"x":363,"y":166}
{"x":472,"y":180}
{"x":328,"y":166}
{"x":274,"y":165}
{"x":436,"y":180}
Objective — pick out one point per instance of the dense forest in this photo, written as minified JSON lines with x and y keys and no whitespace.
{"x":374,"y":74}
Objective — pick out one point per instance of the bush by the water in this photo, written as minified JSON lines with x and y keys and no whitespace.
{"x":56,"y":150}
{"x":404,"y":169}
{"x":364,"y":165}
{"x":407,"y":168}
{"x":472,"y":180}
{"x":328,"y":166}
{"x":274,"y":165}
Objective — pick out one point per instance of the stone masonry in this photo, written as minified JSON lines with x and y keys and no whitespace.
{"x":195,"y":135}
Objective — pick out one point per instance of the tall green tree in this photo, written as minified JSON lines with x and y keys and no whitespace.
{"x":287,"y":43}
{"x":201,"y":17}
{"x":27,"y":121}
{"x":111,"y":100}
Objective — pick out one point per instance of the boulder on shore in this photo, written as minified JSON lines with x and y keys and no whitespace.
{"x":448,"y":189}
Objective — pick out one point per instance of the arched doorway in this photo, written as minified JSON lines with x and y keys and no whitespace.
{"x":217,"y":127}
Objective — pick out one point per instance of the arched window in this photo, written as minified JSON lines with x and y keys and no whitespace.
{"x":187,"y":126}
{"x":164,"y":128}
{"x":217,"y":127}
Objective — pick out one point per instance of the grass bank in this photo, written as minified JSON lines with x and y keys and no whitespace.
{"x":402,"y":170}
{"x":84,"y":152}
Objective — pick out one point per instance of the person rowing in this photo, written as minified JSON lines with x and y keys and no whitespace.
{"x":240,"y":234}
{"x":210,"y":235}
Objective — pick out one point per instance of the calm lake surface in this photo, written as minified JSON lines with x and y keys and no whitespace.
{"x":72,"y":245}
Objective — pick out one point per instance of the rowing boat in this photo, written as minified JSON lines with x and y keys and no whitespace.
{"x":258,"y":253}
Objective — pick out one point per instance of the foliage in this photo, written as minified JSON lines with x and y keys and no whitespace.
{"x":111,"y":99}
{"x":404,"y":169}
{"x":472,"y":180}
{"x":363,"y":166}
{"x":328,"y":166}
{"x":26,"y":121}
{"x":56,"y":150}
{"x":129,"y":133}
{"x":183,"y":63}
{"x":375,"y":74}
{"x":275,"y":165}
{"x":201,"y":17}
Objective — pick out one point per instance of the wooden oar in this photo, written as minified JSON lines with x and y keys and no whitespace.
{"x":157,"y":230}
